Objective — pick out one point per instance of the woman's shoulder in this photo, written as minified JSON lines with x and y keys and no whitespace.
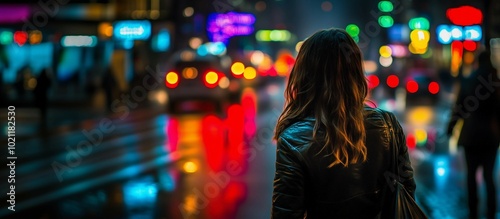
{"x":299,"y":131}
{"x":299,"y":126}
{"x":374,"y":117}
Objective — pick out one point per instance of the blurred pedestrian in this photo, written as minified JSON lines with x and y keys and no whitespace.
{"x":478,"y":104}
{"x":332,"y":149}
{"x":41,"y":93}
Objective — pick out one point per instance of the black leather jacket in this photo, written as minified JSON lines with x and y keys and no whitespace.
{"x":304,"y":186}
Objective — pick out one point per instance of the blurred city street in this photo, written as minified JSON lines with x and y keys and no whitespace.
{"x":166,"y":109}
{"x":153,"y":165}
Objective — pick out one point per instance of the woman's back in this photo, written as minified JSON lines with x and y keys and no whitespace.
{"x":342,"y":192}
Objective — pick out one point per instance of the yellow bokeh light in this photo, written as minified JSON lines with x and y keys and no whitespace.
{"x":420,"y":135}
{"x":237,"y":68}
{"x":190,"y":73}
{"x":172,"y":77}
{"x":190,"y":167}
{"x":420,"y":35}
{"x":385,"y":51}
{"x":211,"y":77}
{"x":250,"y":73}
{"x":281,"y":68}
{"x":420,"y":116}
{"x":419,"y":45}
{"x":414,"y":50}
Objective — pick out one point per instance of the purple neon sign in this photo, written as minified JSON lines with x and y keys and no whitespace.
{"x":14,"y":13}
{"x":221,"y":27}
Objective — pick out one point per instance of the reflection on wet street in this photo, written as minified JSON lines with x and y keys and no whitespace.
{"x":150,"y":164}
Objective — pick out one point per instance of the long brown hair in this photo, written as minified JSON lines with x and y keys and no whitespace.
{"x":327,"y":82}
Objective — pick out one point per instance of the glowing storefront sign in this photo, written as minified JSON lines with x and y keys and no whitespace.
{"x":448,"y":33}
{"x":221,"y":27}
{"x":132,"y":30}
{"x":474,"y":33}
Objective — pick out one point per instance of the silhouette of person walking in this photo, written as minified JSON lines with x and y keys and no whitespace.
{"x":41,"y":93}
{"x":478,"y":104}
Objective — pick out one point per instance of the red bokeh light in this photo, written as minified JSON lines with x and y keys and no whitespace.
{"x":20,"y":37}
{"x":433,"y":87}
{"x":465,"y":16}
{"x":373,"y":81}
{"x":392,"y":81}
{"x":212,"y":133}
{"x":470,"y":45}
{"x":411,"y":141}
{"x":458,"y":48}
{"x":412,"y":86}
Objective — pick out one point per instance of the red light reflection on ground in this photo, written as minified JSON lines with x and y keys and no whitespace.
{"x":225,"y":206}
{"x":213,"y":139}
{"x":249,"y":104}
{"x":172,"y":131}
{"x":235,"y":128}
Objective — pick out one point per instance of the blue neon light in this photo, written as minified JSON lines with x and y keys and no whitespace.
{"x":474,"y":33}
{"x":448,"y":33}
{"x":132,"y":30}
{"x":161,"y":42}
{"x":399,"y":33}
{"x":444,"y":34}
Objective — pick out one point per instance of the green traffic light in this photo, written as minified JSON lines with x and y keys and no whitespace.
{"x":385,"y":21}
{"x":420,"y":23}
{"x":6,"y":37}
{"x":352,"y":29}
{"x":385,"y":6}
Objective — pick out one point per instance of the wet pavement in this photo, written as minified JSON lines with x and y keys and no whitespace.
{"x":148,"y":164}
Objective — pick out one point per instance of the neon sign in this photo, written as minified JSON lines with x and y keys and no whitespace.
{"x":221,"y":27}
{"x":132,"y":30}
{"x":448,"y":33}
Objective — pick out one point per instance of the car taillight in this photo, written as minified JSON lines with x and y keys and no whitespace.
{"x":171,"y":79}
{"x":211,"y":79}
{"x":237,"y":69}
